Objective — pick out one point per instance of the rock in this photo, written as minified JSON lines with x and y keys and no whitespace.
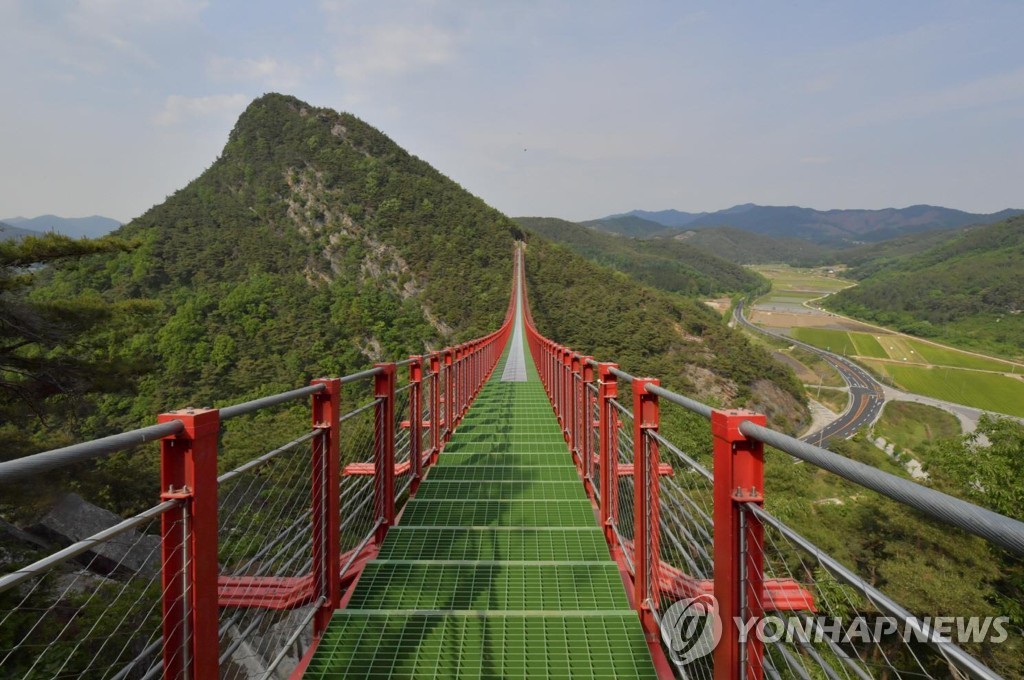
{"x":73,"y":519}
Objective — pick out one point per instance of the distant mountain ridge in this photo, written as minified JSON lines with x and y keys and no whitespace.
{"x":9,"y":232}
{"x":830,"y":227}
{"x":75,"y":227}
{"x":669,"y":264}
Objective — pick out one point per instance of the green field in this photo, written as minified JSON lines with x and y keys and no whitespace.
{"x":868,"y":345}
{"x":838,"y":342}
{"x":944,"y":356}
{"x":787,"y":298}
{"x":988,"y":391}
{"x":897,"y":347}
{"x":794,"y":280}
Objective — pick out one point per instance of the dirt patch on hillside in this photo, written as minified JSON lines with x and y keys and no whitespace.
{"x":720,"y":305}
{"x":803,"y":374}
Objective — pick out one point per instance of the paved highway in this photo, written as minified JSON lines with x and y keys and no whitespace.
{"x":866,"y":394}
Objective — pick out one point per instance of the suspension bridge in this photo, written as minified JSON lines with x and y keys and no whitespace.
{"x":507,"y":507}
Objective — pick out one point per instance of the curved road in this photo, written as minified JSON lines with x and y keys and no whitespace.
{"x":866,"y":394}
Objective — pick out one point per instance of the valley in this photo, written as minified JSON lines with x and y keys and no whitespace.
{"x":950,"y":377}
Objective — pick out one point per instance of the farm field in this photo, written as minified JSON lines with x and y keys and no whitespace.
{"x":897,"y":348}
{"x":908,"y":363}
{"x":800,"y":282}
{"x":988,"y":391}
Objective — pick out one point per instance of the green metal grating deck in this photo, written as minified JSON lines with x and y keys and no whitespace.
{"x":497,"y":568}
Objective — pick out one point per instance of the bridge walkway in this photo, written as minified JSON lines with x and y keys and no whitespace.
{"x":497,"y":567}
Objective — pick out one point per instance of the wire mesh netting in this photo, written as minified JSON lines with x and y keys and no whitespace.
{"x":593,"y":469}
{"x":96,"y":614}
{"x":265,"y":555}
{"x":624,"y":501}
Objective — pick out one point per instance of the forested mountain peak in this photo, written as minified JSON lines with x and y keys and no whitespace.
{"x":315,"y":245}
{"x":312,"y":245}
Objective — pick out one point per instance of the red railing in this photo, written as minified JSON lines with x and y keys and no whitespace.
{"x":681,"y":532}
{"x":404,"y":444}
{"x":247,"y":560}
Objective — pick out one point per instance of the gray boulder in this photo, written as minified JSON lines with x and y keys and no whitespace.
{"x":73,"y":519}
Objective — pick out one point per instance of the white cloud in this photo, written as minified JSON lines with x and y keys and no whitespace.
{"x":178,"y":108}
{"x":395,"y":51}
{"x":265,"y":70}
{"x":373,"y":43}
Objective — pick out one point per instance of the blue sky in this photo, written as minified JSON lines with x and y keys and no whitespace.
{"x":567,"y":109}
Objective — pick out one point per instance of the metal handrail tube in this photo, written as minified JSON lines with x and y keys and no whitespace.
{"x":20,"y":576}
{"x":37,"y":463}
{"x":949,"y":650}
{"x":229,"y":412}
{"x":362,"y":375}
{"x":999,"y":529}
{"x":680,"y":400}
{"x":618,"y":373}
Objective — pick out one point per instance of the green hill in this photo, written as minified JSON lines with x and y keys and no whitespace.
{"x":968,"y":290}
{"x":746,"y":247}
{"x":628,"y":225}
{"x":314,"y":245}
{"x":668,"y":264}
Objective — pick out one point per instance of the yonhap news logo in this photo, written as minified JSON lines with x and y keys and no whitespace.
{"x":691,"y":628}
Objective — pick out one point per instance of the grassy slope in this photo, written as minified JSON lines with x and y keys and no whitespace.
{"x":911,"y":426}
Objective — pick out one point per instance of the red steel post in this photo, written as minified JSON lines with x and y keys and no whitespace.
{"x":449,"y":394}
{"x":560,"y":370}
{"x":587,"y":425}
{"x":574,"y":421}
{"x":739,"y":560}
{"x":415,"y":421}
{"x":326,"y":493}
{"x":460,"y":382}
{"x":456,"y":380}
{"x":188,"y":471}
{"x":384,"y":449}
{"x":565,"y":365}
{"x":556,"y":383}
{"x":608,"y":389}
{"x":647,"y":558}
{"x":435,"y":406}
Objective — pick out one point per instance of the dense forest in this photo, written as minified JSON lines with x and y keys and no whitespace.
{"x":968,"y":289}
